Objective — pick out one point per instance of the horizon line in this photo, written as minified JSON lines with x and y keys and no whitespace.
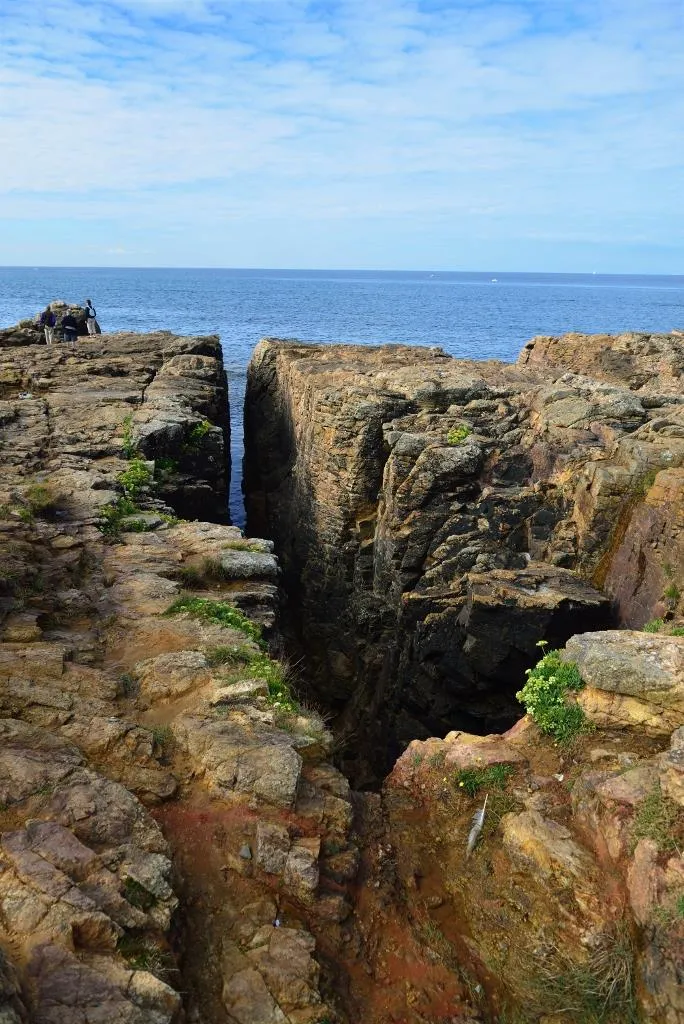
{"x":339,"y":270}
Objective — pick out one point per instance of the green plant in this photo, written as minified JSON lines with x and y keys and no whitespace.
{"x":677,"y":631}
{"x":241,"y":545}
{"x":219,"y":612}
{"x":138,"y":526}
{"x":660,"y":819}
{"x":170,"y":519}
{"x":112,"y":515}
{"x":224,"y":655}
{"x":41,"y":499}
{"x":128,"y":684}
{"x":275,"y":673}
{"x":25,"y":514}
{"x":599,"y":991}
{"x":679,"y":906}
{"x":190,"y":576}
{"x":643,"y":484}
{"x":438,"y":759}
{"x":199,"y":431}
{"x":457,"y":435}
{"x":137,"y":895}
{"x":162,"y":737}
{"x":135,"y":478}
{"x":654,"y":626}
{"x":545,"y":693}
{"x":672,"y":593}
{"x":146,"y":955}
{"x":473,"y":779}
{"x":164,"y":466}
{"x":127,"y":443}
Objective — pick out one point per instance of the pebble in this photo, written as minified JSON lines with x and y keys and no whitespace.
{"x":245,"y":851}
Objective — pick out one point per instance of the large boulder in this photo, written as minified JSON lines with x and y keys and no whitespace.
{"x":633,"y":679}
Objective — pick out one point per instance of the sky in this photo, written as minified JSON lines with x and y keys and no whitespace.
{"x":523,"y":135}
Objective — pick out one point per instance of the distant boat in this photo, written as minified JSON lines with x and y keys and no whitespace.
{"x":495,"y":280}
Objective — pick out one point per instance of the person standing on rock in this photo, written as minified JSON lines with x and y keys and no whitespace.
{"x":91,"y":322}
{"x":48,"y":321}
{"x":70,"y":328}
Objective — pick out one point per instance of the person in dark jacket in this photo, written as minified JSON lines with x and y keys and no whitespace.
{"x":70,"y":328}
{"x":91,"y":322}
{"x":47,"y":322}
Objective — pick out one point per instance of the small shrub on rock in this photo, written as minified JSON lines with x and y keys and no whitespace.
{"x":199,"y":431}
{"x":545,"y":697}
{"x":127,"y":443}
{"x":457,"y":435}
{"x":41,"y":499}
{"x":136,"y":478}
{"x":111,"y":516}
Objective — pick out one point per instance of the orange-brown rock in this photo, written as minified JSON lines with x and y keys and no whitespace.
{"x":108,"y":702}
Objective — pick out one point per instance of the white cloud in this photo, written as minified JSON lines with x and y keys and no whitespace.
{"x":561,"y":119}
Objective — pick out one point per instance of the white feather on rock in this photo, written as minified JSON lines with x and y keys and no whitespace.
{"x":478,"y":822}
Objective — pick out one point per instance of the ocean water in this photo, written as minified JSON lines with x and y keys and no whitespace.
{"x":471,"y":315}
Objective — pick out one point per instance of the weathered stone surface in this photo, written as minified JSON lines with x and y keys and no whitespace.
{"x":644,"y":362}
{"x":672,"y":768}
{"x":239,"y":757}
{"x":273,"y":844}
{"x":65,"y":988}
{"x":69,"y":434}
{"x":633,"y":679}
{"x":546,"y":844}
{"x":425,"y":572}
{"x":103,"y":696}
{"x":171,"y":675}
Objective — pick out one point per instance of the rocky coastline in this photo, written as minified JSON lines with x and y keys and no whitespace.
{"x":182,"y":707}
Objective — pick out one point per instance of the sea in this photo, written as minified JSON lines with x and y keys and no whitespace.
{"x":471,"y":315}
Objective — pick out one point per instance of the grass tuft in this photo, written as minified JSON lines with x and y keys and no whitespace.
{"x":494,"y":776}
{"x":599,"y":991}
{"x":137,"y":895}
{"x":146,"y":955}
{"x":660,"y":819}
{"x":221,"y":613}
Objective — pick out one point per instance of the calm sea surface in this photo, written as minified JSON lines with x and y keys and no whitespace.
{"x":478,"y":316}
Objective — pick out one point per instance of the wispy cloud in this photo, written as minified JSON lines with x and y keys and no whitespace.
{"x":220,"y":125}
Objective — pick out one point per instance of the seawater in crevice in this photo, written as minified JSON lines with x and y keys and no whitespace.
{"x":237,"y":379}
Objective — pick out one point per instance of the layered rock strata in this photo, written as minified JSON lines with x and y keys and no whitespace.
{"x":165,"y":817}
{"x":69,"y":416}
{"x":436,"y":518}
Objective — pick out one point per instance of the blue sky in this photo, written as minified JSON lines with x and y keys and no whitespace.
{"x":502,"y":135}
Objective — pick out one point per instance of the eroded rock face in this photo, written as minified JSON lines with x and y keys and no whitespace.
{"x":115,"y":706}
{"x":577,"y":870}
{"x":69,"y":416}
